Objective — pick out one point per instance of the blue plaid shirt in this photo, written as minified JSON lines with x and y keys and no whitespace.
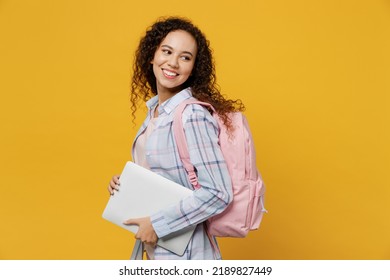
{"x":162,"y":156}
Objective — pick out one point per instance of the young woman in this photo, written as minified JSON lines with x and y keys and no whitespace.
{"x":174,"y":63}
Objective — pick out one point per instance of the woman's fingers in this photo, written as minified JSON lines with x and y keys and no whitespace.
{"x":115,"y":179}
{"x":114,"y":184}
{"x":131,"y":222}
{"x":145,"y":231}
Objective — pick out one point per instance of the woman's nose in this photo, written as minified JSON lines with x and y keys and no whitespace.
{"x":173,"y":62}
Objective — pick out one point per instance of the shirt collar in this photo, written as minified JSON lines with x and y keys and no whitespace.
{"x":170,"y":104}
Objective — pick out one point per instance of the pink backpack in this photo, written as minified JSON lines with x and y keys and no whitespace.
{"x":246,"y":210}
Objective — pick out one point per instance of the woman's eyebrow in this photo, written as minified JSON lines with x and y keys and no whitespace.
{"x":169,"y":47}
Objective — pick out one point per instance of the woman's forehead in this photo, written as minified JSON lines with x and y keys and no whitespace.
{"x":180,"y":40}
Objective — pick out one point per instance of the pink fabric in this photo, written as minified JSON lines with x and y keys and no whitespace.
{"x":139,"y":149}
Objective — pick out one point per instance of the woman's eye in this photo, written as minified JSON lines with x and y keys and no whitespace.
{"x":186,"y":58}
{"x":166,"y":51}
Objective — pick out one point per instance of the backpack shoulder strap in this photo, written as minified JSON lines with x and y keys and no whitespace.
{"x":181,"y":141}
{"x":184,"y":154}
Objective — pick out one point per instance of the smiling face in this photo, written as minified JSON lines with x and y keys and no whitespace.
{"x":173,"y":62}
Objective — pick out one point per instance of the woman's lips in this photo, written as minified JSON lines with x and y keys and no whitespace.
{"x":169,"y":74}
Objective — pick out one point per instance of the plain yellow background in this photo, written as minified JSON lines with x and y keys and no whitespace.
{"x":315,"y":78}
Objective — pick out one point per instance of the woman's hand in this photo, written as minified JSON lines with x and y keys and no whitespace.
{"x":145,"y":232}
{"x":114,"y":184}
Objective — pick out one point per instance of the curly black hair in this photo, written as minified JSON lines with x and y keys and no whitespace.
{"x":202,"y":80}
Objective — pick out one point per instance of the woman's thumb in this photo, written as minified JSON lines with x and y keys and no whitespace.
{"x":131,"y":222}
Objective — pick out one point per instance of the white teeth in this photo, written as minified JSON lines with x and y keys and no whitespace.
{"x":169,"y":73}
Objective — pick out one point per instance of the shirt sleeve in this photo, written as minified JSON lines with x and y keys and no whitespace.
{"x":215,"y":193}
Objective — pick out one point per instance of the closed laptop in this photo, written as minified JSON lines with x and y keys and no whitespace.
{"x":143,"y":193}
